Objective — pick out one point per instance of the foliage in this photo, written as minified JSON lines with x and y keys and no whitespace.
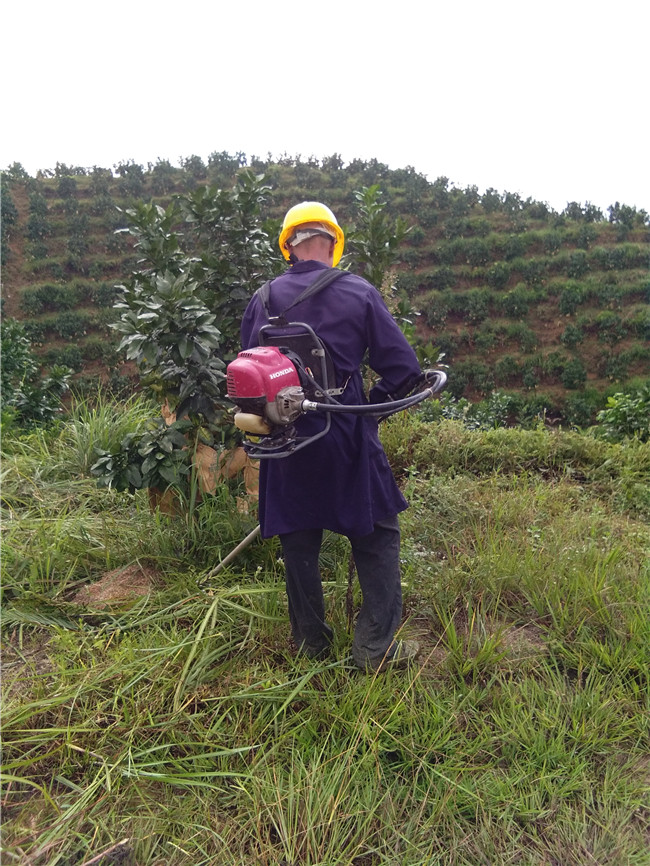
{"x":169,"y":332}
{"x":26,"y":397}
{"x":179,"y":726}
{"x":157,"y":458}
{"x":374,"y":239}
{"x":181,"y":311}
{"x":495,"y":411}
{"x":626,"y":415}
{"x":459,"y":242}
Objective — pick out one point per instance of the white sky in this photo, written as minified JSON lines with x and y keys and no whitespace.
{"x":547,"y":99}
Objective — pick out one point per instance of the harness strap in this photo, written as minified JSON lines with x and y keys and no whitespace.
{"x":321,"y":282}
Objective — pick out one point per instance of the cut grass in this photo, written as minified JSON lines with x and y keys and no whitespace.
{"x":180,"y":729}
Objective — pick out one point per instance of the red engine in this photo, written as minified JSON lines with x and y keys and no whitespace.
{"x":257,"y":380}
{"x":256,"y":376}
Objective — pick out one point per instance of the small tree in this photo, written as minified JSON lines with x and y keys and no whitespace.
{"x":180,"y":313}
{"x":374,"y":239}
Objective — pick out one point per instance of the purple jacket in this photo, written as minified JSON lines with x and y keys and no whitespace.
{"x":341,"y":482}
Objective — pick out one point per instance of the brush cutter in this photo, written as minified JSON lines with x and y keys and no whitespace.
{"x":288,"y":375}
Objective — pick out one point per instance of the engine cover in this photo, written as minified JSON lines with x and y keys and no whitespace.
{"x":256,"y":376}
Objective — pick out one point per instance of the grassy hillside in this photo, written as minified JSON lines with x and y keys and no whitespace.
{"x":154,"y":712}
{"x":552,"y":307}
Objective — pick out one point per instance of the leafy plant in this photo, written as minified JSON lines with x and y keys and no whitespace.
{"x":167,"y":329}
{"x":25,"y":396}
{"x":374,"y":239}
{"x":626,"y":416}
{"x":158,"y":458}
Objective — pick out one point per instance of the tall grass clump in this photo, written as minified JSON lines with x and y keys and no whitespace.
{"x":177,"y":726}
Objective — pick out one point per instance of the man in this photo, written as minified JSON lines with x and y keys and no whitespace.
{"x":341,"y":482}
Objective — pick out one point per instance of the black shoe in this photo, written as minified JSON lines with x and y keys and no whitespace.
{"x":322,"y":651}
{"x":401,"y":655}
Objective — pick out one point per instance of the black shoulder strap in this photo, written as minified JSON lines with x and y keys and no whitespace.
{"x":321,"y":282}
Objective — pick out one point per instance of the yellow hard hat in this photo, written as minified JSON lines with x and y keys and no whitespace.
{"x":311,"y":212}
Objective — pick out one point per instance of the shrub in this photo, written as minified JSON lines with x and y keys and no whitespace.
{"x":640,"y":325}
{"x":626,"y":415}
{"x":611,"y":328}
{"x":580,"y":409}
{"x":38,"y":227}
{"x":68,"y":356}
{"x":103,"y":294}
{"x":577,"y":265}
{"x":572,"y":336}
{"x":610,"y":295}
{"x":441,"y":278}
{"x":409,"y":283}
{"x":524,"y":335}
{"x":99,"y":349}
{"x":506,"y":370}
{"x":533,"y":271}
{"x":102,"y":203}
{"x":552,"y":241}
{"x":67,"y":186}
{"x":614,"y":367}
{"x":436,"y":309}
{"x":530,"y":374}
{"x":516,"y":303}
{"x":31,"y":399}
{"x":571,"y":296}
{"x":485,"y":337}
{"x":477,"y":252}
{"x":447,"y":345}
{"x":497,"y":275}
{"x":71,"y":324}
{"x":514,"y":248}
{"x":37,"y":204}
{"x":574,"y":374}
{"x":585,"y":236}
{"x":477,"y":306}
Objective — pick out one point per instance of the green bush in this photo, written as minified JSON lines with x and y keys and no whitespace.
{"x":610,"y":327}
{"x":50,"y":296}
{"x":71,"y":324}
{"x":473,"y":305}
{"x":573,"y":335}
{"x":580,"y":409}
{"x":571,"y":296}
{"x":534,"y":271}
{"x":516,"y":303}
{"x":436,"y":308}
{"x":613,"y":367}
{"x":552,"y":241}
{"x":99,"y":349}
{"x":416,"y":236}
{"x":485,"y":337}
{"x":573,"y":374}
{"x":562,"y":453}
{"x":67,"y":186}
{"x":68,"y":356}
{"x":626,"y":416}
{"x":585,"y":236}
{"x":577,"y":265}
{"x":26,"y":397}
{"x":506,"y":370}
{"x":477,"y":252}
{"x":38,"y":227}
{"x":498,"y":275}
{"x":439,"y":278}
{"x":523,"y":335}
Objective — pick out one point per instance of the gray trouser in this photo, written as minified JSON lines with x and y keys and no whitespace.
{"x":376,"y":557}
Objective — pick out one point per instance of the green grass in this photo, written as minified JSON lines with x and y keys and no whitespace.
{"x":179,"y":728}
